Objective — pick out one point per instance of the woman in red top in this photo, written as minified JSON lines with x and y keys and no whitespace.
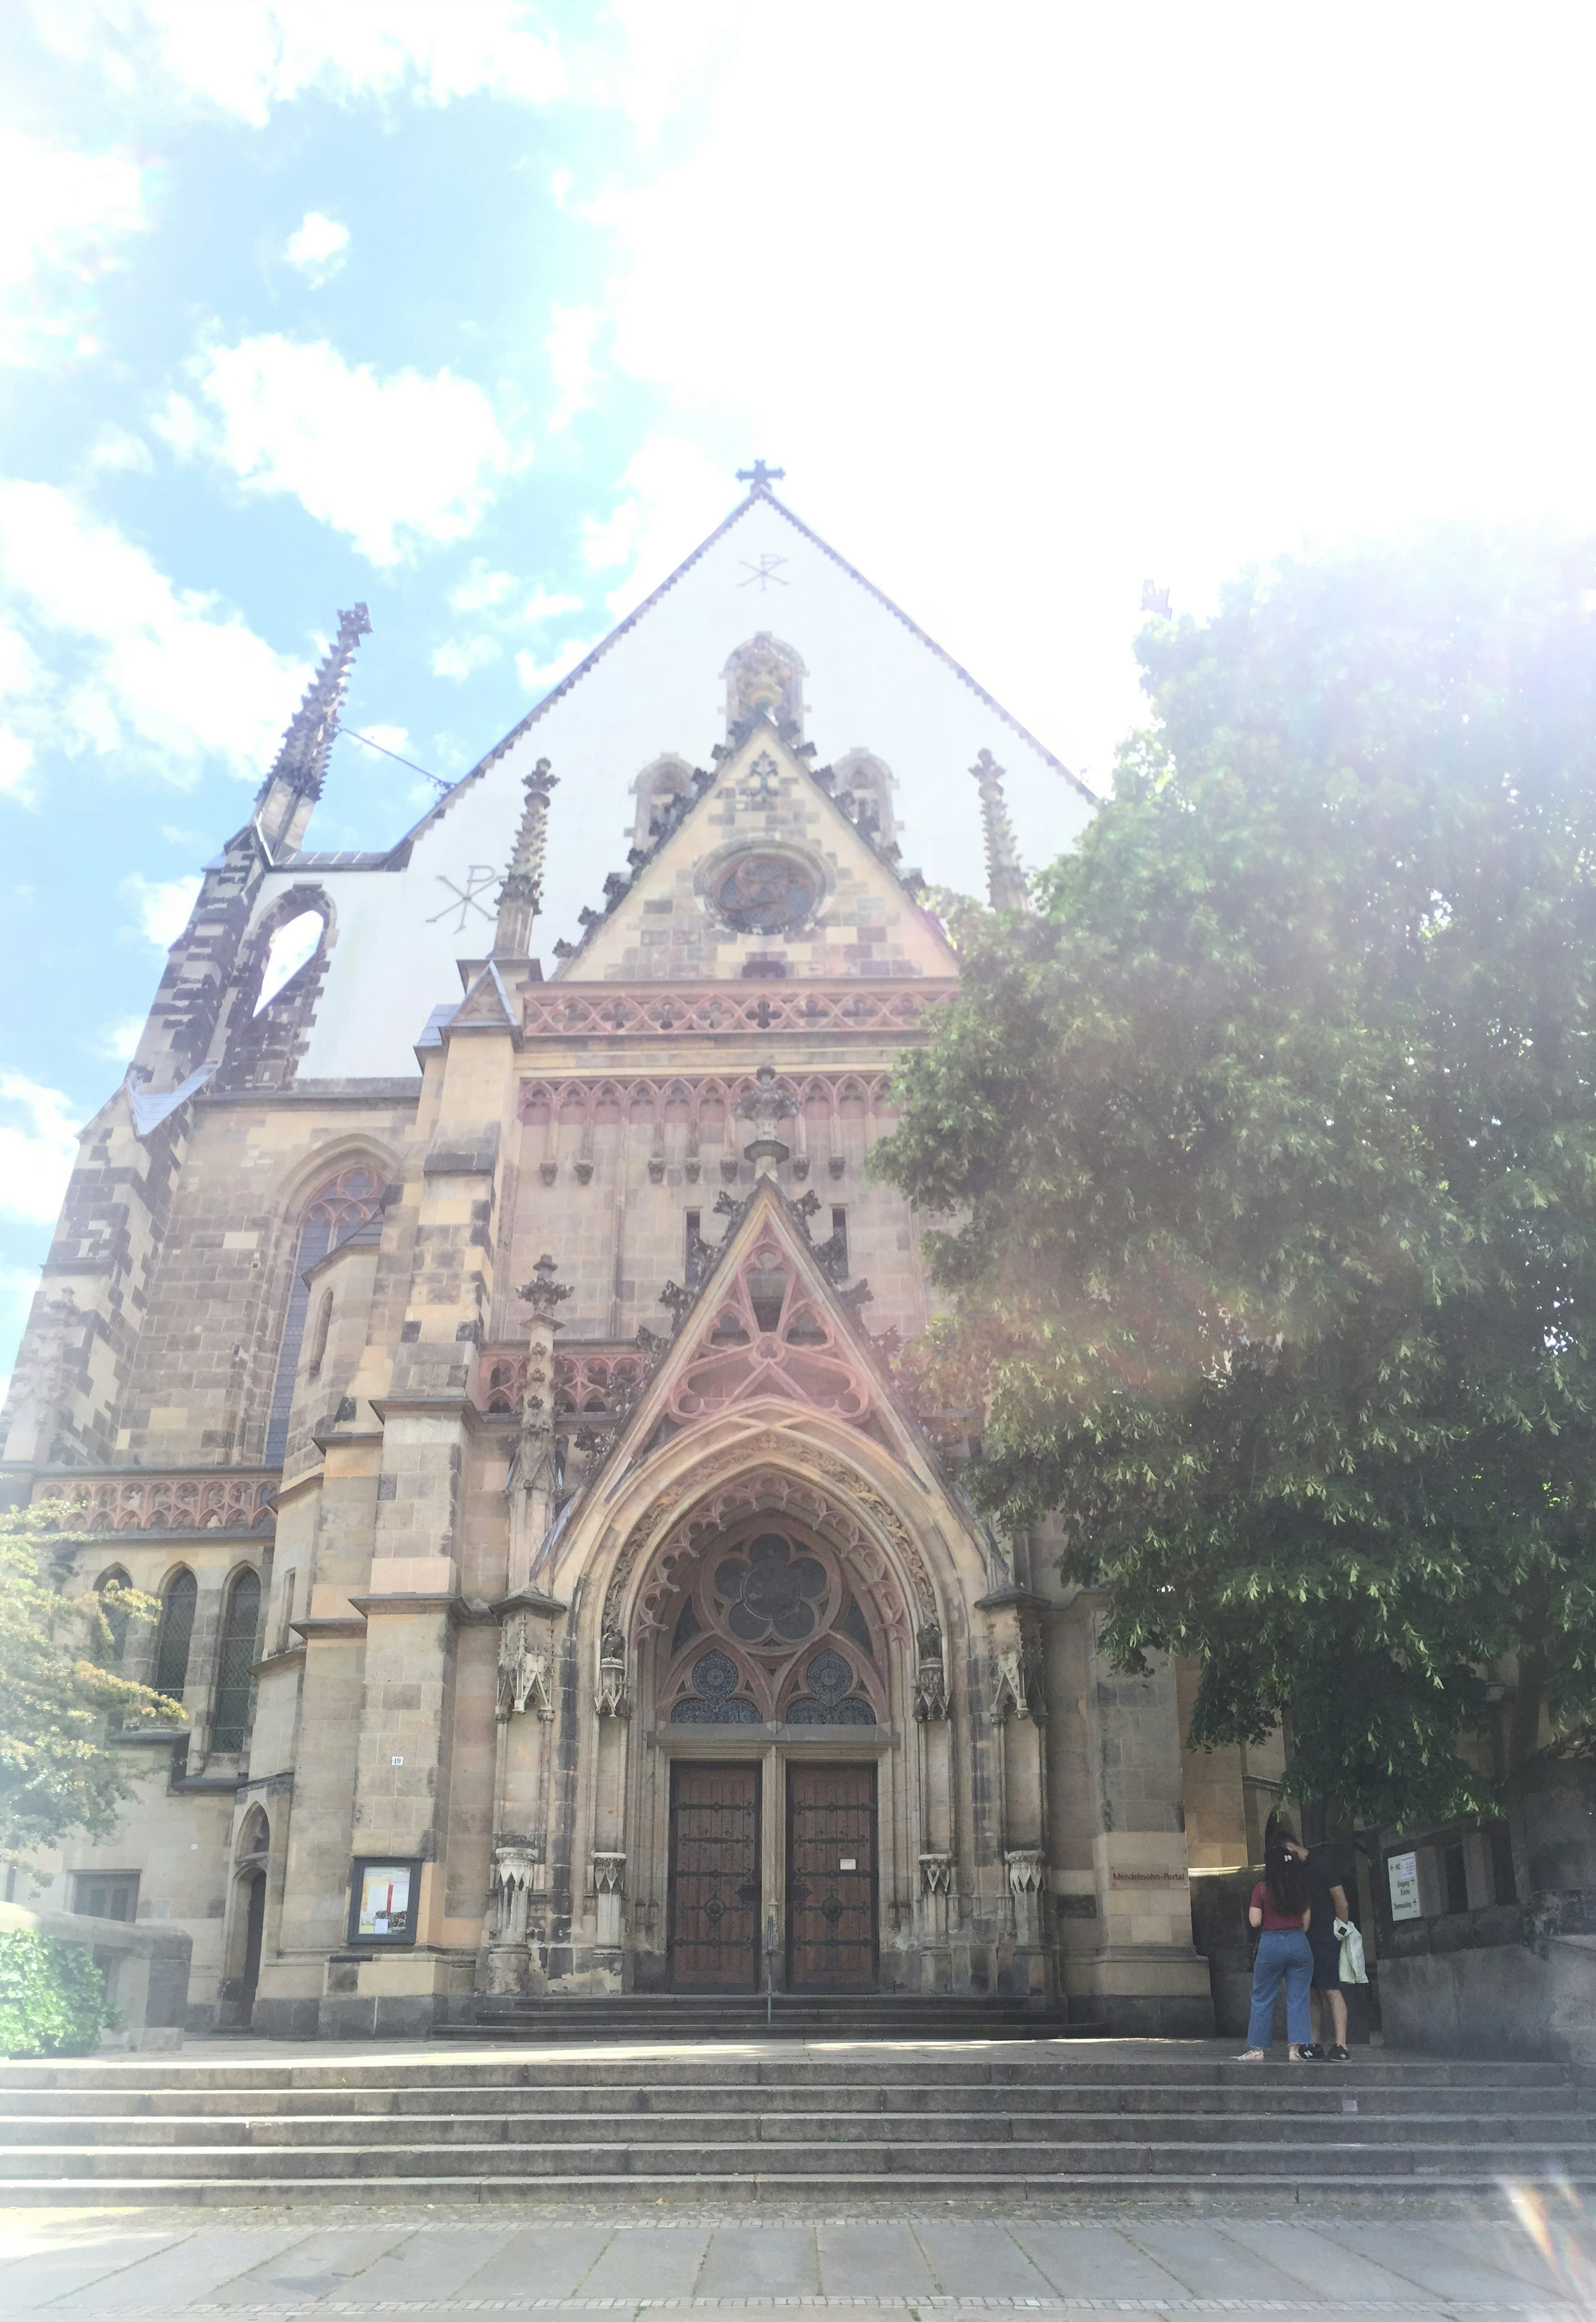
{"x":1279,"y":1910}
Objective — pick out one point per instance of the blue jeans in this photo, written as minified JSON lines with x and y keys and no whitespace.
{"x":1282,"y":1952}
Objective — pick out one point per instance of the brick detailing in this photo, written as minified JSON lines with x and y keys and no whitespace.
{"x":612,"y":1010}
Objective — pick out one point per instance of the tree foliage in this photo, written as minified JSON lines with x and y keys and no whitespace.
{"x":60,"y":1690}
{"x":1273,"y":1136}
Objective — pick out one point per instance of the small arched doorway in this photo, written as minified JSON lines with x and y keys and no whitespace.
{"x":247,"y":1933}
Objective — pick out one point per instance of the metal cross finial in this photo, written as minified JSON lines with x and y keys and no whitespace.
{"x":759,"y":478}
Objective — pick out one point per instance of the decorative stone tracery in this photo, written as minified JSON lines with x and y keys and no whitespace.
{"x":767,"y":1626}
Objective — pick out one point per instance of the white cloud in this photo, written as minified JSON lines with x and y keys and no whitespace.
{"x":389,"y":738}
{"x":117,"y":1042}
{"x":570,"y":361}
{"x":163,"y":905}
{"x":38,"y":1147}
{"x":481,"y":588}
{"x":673,"y":493}
{"x":387,"y":462}
{"x":458,"y":660}
{"x":317,"y":246}
{"x":251,"y":55}
{"x":120,"y":452}
{"x":65,"y":213}
{"x":100,"y":653}
{"x":537,"y":677}
{"x":546,"y":605}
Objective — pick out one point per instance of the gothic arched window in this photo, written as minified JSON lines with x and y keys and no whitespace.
{"x":344,"y":1207}
{"x":177,"y":1634}
{"x":236,"y":1663}
{"x":768,"y":1628}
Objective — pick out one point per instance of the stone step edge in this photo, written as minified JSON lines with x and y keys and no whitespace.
{"x":38,"y":2192}
{"x":1576,"y":2115}
{"x":1545,"y":2149}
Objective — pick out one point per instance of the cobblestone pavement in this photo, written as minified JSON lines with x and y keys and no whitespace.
{"x":946,"y":2259}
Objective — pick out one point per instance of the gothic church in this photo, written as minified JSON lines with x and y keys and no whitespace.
{"x":480,"y":1341}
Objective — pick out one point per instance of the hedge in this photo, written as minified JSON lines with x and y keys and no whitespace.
{"x":52,"y":1998}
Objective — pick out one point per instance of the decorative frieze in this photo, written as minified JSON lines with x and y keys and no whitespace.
{"x":609,"y":1873}
{"x":615,"y":1011}
{"x":203,"y":1502}
{"x":937,"y":1874}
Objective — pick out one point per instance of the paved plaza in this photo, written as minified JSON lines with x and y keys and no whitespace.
{"x":615,"y":2262}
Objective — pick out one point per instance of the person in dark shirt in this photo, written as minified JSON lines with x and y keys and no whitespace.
{"x":1328,"y":1873}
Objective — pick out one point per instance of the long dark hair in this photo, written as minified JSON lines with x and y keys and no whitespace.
{"x":1282,"y":1875}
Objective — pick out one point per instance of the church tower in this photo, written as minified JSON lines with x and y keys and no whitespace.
{"x":483,"y":1344}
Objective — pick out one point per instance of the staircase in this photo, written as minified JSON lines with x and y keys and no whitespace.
{"x":1058,"y":2120}
{"x":785,"y":2016}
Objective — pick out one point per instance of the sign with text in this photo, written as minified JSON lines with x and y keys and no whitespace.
{"x":1402,"y":1870}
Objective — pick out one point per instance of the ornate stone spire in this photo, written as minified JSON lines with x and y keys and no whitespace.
{"x":522,"y":894}
{"x":295,"y":782}
{"x":1006,"y":881}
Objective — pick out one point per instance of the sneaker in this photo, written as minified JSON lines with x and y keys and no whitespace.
{"x":1313,"y":2052}
{"x":1336,"y":2055}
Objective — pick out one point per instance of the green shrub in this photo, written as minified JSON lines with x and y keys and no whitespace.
{"x":52,"y":1998}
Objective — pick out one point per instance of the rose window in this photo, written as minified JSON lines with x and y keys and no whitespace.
{"x":771,"y":1592}
{"x":764,"y":894}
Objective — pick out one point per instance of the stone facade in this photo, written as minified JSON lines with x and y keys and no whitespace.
{"x":516,"y":1443}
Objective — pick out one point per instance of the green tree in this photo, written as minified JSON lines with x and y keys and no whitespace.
{"x":1272,"y":1137}
{"x":59,"y":1690}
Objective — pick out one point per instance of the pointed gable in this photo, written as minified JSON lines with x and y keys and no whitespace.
{"x":768,"y":1324}
{"x":763,"y":873}
{"x":765,"y":1324}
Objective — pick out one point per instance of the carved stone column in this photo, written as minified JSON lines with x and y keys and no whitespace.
{"x":933,"y":1717}
{"x":525,"y":1712}
{"x":1017,"y":1706}
{"x":609,"y":1884}
{"x":515,"y":1865}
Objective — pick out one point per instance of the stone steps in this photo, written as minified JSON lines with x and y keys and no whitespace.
{"x":1040,"y":2120}
{"x":785,"y":2016}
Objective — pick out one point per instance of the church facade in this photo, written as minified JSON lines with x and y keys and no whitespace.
{"x":481,"y":1342}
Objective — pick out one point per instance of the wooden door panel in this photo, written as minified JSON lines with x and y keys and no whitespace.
{"x":715,"y":1883}
{"x":831,"y":1878}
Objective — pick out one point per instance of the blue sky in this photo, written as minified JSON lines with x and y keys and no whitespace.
{"x":471,"y":311}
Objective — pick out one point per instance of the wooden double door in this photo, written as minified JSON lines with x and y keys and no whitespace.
{"x":718,"y":1902}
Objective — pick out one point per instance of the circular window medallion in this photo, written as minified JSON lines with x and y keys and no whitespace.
{"x":765,"y":894}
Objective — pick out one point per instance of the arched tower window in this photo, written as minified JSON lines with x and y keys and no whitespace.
{"x":863,"y":786}
{"x":347,"y":1206}
{"x":660,"y":786}
{"x":241,"y":1619}
{"x":177,"y":1634}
